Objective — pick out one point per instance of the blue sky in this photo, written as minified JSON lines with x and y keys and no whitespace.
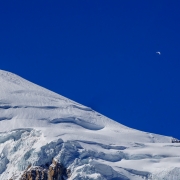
{"x":101,"y":54}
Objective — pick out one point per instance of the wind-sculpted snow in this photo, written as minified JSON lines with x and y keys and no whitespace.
{"x":37,"y":125}
{"x":79,"y":122}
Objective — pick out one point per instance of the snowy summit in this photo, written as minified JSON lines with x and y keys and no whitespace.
{"x":37,"y":125}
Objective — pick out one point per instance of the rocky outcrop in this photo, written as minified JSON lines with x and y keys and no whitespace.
{"x":175,"y":140}
{"x":56,"y":171}
{"x":35,"y":173}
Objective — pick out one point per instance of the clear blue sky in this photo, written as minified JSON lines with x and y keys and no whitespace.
{"x":101,"y":54}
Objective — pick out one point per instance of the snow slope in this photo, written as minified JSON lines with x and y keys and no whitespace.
{"x":37,"y":125}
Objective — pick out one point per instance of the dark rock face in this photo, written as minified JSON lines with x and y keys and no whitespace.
{"x":56,"y":171}
{"x":175,"y":140}
{"x":35,"y":173}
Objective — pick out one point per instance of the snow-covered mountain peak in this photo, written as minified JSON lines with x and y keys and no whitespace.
{"x":26,"y":105}
{"x":37,"y":124}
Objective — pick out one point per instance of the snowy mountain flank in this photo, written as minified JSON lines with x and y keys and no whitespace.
{"x":37,"y":125}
